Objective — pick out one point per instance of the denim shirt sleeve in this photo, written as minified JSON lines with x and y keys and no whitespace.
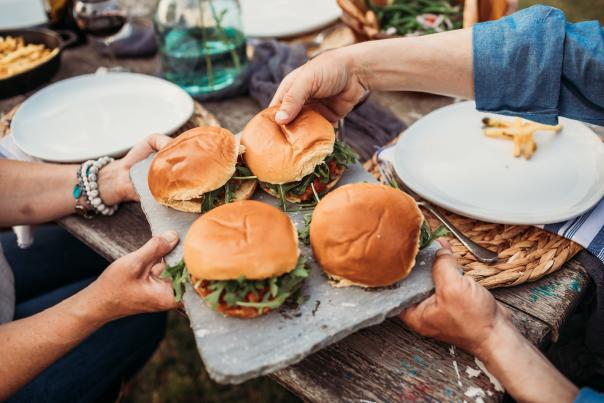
{"x":587,"y":395}
{"x":536,"y":65}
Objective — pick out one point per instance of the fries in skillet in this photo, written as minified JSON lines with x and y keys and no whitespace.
{"x":16,"y":56}
{"x":519,"y":131}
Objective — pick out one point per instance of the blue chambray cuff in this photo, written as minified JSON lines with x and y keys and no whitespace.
{"x":518,"y":64}
{"x":587,"y":395}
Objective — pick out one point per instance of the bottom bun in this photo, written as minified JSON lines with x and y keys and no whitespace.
{"x":245,"y":191}
{"x":242,"y":312}
{"x":295,"y":198}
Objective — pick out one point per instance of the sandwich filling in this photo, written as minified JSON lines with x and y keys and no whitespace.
{"x":226,"y":193}
{"x":264,"y":295}
{"x":316,"y":183}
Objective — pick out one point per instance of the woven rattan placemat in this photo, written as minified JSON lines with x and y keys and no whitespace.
{"x":526,"y":253}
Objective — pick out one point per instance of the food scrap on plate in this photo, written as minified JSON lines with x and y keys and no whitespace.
{"x":519,"y":131}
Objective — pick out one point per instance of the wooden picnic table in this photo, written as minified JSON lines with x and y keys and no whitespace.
{"x":381,"y":363}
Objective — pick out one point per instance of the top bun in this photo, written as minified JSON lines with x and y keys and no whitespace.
{"x":279,"y":154}
{"x":242,"y":239}
{"x":366,"y":234}
{"x":196,"y":162}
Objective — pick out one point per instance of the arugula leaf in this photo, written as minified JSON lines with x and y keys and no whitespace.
{"x":304,"y":233}
{"x":428,"y":236}
{"x":178,"y":275}
{"x":282,"y":197}
{"x":344,"y":155}
{"x":275,"y":290}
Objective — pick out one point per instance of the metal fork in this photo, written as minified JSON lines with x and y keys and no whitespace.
{"x":389,"y":174}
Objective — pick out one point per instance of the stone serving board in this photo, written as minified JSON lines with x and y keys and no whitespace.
{"x":235,"y":350}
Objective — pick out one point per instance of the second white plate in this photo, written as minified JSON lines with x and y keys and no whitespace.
{"x":283,"y":18}
{"x":93,"y":115}
{"x":446,"y":158}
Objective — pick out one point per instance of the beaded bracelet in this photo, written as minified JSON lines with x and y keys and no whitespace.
{"x":88,"y":186}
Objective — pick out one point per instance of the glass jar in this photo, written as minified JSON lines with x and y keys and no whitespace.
{"x":202,"y":46}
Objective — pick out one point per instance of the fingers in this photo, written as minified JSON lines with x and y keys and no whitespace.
{"x":412,"y":316}
{"x":158,"y":269}
{"x":158,"y":141}
{"x":156,"y":248}
{"x":444,"y":269}
{"x":293,"y":99}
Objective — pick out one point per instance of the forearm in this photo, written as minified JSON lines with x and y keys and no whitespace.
{"x":32,"y":193}
{"x":439,"y":63}
{"x":28,"y":346}
{"x":524,"y":372}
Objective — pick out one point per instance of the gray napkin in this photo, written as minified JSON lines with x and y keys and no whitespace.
{"x":367,"y":127}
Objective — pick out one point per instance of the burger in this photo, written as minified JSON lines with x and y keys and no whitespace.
{"x":200,"y":169}
{"x":243,"y":259}
{"x":368,"y":235}
{"x":297,"y":162}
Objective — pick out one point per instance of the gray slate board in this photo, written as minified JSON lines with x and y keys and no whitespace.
{"x":235,"y":350}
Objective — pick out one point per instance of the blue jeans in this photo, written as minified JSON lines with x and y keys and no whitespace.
{"x":54,"y":268}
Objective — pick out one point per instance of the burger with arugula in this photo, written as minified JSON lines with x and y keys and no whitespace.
{"x":297,"y":162}
{"x":200,"y":169}
{"x":243,"y":259}
{"x":368,"y":235}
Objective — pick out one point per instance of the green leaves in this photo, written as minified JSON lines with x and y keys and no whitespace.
{"x":344,"y":155}
{"x":428,"y":236}
{"x":275,"y":290}
{"x":178,"y":275}
{"x":304,"y":232}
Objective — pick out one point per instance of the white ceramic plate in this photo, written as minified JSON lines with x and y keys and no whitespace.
{"x":21,"y":13}
{"x":93,"y":115}
{"x":446,"y":158}
{"x":283,"y":18}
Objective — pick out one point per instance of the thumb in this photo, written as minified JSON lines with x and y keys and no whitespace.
{"x":156,"y":248}
{"x":292,"y":101}
{"x":444,"y":269}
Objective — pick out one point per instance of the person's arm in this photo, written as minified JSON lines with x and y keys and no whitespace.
{"x":33,"y":193}
{"x":532,"y":64}
{"x":536,"y":65}
{"x":463,"y":313}
{"x":336,"y":80}
{"x":129,"y":286}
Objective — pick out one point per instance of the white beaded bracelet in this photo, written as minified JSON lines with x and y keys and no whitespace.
{"x":88,"y":181}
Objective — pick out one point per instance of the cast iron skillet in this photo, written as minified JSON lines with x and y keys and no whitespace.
{"x":30,"y":79}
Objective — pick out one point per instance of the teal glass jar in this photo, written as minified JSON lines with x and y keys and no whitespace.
{"x":202,"y":46}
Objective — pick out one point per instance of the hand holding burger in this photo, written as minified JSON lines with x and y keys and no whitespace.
{"x":297,"y":162}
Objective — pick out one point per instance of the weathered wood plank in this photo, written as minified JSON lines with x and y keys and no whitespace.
{"x":111,"y":237}
{"x":553,"y":298}
{"x":389,"y":363}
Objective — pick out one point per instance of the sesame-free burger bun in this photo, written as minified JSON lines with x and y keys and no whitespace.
{"x":196,"y":162}
{"x":366,"y":234}
{"x":241,"y":239}
{"x":280,"y":154}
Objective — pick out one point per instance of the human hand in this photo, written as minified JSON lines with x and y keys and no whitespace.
{"x":114,"y":181}
{"x":132,"y":284}
{"x":461,"y":311}
{"x":329,"y":82}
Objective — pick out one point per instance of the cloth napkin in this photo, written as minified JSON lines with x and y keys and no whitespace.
{"x":366,"y":126}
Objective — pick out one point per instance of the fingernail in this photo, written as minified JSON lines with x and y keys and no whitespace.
{"x":170,"y":236}
{"x":281,"y":116}
{"x":443,"y":251}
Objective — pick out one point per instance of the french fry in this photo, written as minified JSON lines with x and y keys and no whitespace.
{"x":17,"y":57}
{"x":520,"y":131}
